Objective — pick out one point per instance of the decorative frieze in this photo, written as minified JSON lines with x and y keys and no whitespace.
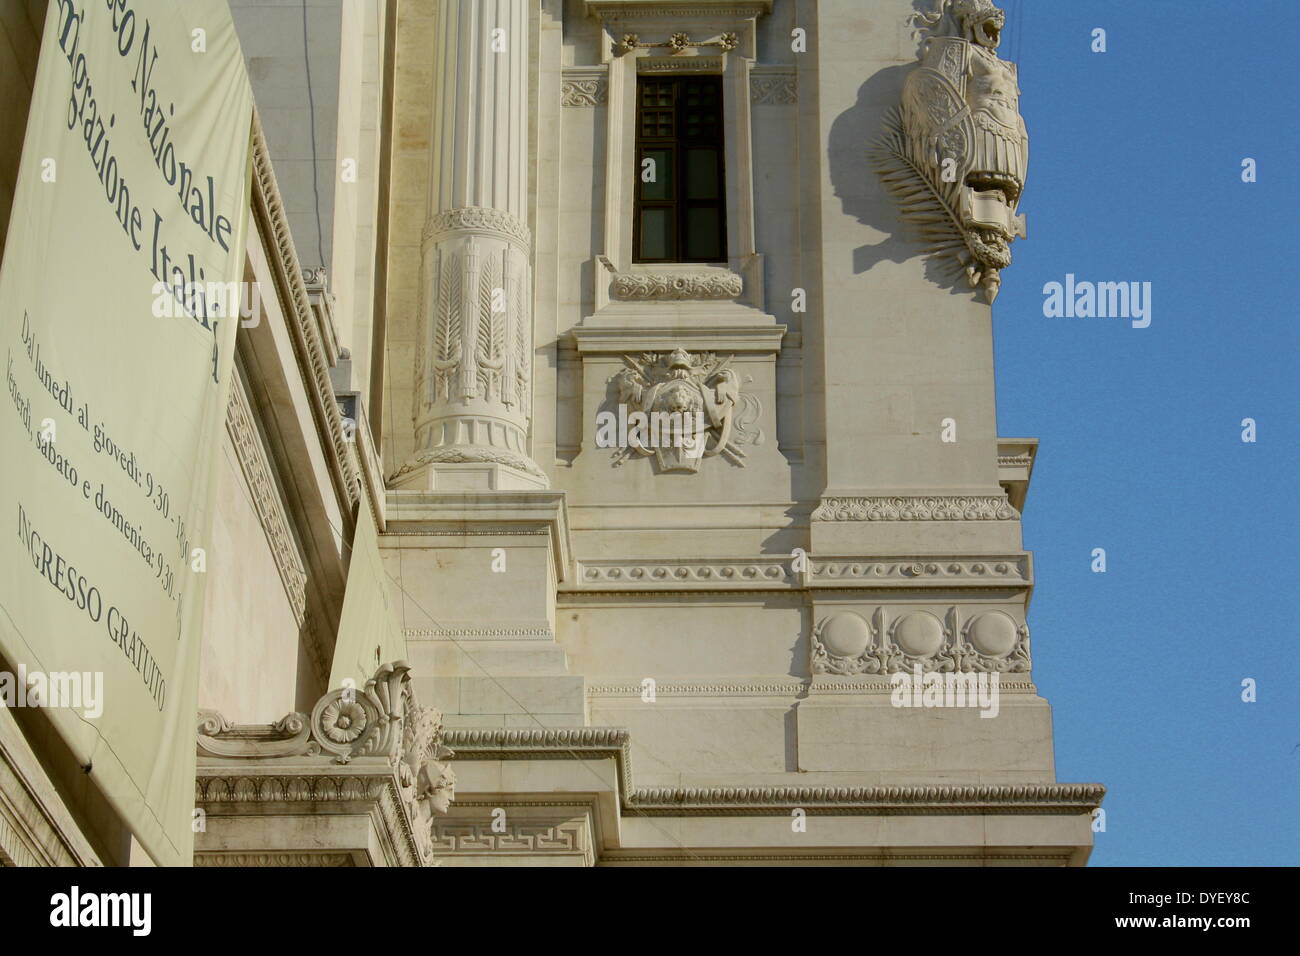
{"x":565,"y":838}
{"x":677,"y":42}
{"x":265,"y":495}
{"x":784,"y":572}
{"x":676,"y":286}
{"x":901,"y":641}
{"x":916,"y":508}
{"x":243,"y":860}
{"x":682,"y":64}
{"x":987,"y":570}
{"x":584,"y":91}
{"x":762,"y":573}
{"x":477,"y":219}
{"x":773,"y":88}
{"x":779,"y":687}
{"x":479,"y":633}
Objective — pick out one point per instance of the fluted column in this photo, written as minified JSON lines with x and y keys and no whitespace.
{"x":473,"y":378}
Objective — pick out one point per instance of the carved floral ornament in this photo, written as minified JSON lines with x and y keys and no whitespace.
{"x":383,"y":719}
{"x":676,"y":286}
{"x":678,"y":43}
{"x":988,"y":641}
{"x":955,"y":153}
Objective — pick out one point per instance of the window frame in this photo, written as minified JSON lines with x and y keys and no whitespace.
{"x":679,"y":143}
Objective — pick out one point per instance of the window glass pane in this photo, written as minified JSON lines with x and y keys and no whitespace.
{"x":704,"y":234}
{"x":656,"y":242}
{"x":702,"y":174}
{"x":661,"y":186}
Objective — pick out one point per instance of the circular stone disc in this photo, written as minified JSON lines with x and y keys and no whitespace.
{"x":992,"y":634}
{"x":919,"y":634}
{"x":845,"y":634}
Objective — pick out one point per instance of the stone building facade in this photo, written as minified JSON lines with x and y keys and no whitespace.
{"x":493,"y":238}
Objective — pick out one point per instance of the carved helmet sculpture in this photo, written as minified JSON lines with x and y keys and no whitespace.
{"x":956,"y":152}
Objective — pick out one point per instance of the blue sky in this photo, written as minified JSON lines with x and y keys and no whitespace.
{"x":1135,"y":174}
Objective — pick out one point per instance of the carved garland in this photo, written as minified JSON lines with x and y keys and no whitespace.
{"x":678,"y":43}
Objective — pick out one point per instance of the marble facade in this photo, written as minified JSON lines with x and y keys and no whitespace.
{"x":635,"y":659}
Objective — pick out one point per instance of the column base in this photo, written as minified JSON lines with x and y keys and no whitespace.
{"x":457,"y":468}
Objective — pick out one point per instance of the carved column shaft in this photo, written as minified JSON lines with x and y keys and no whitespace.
{"x":474,"y":361}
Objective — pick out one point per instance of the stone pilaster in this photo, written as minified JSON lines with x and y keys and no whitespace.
{"x":473,"y":379}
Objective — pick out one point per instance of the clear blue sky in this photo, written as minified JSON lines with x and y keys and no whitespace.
{"x":1135,"y":174}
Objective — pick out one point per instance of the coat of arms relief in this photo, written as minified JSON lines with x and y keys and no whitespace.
{"x":955,"y":153}
{"x":680,"y":408}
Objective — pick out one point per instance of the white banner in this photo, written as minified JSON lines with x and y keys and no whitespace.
{"x":130,"y":216}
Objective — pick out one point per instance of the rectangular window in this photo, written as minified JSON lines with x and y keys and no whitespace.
{"x":680,"y":211}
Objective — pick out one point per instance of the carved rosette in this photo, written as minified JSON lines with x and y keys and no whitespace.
{"x":845,"y":643}
{"x":956,"y":152}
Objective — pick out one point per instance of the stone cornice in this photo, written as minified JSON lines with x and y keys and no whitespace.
{"x":573,"y":743}
{"x":372,"y":786}
{"x":36,"y":828}
{"x":242,"y":860}
{"x":732,"y":339}
{"x":496,"y":512}
{"x":763,"y":801}
{"x":314,"y":359}
{"x":595,"y":743}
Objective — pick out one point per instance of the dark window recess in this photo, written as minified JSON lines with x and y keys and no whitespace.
{"x":680,"y":213}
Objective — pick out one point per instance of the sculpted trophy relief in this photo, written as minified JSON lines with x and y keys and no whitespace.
{"x":956,"y":152}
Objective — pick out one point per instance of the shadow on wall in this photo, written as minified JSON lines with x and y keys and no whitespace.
{"x":860,"y":191}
